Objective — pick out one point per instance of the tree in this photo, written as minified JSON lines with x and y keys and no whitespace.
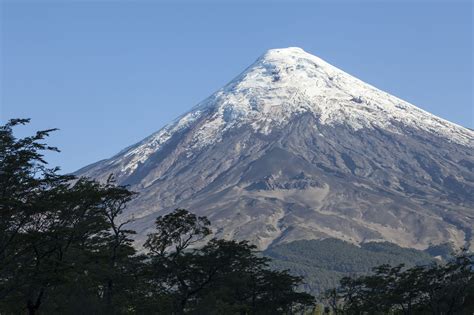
{"x":65,"y":249}
{"x":434,"y":289}
{"x":219,"y":277}
{"x":55,"y":230}
{"x":176,"y":232}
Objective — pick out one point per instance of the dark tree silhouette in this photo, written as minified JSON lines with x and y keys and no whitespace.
{"x":434,"y":289}
{"x":65,"y":249}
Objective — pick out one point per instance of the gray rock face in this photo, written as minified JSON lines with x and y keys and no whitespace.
{"x":314,"y":154}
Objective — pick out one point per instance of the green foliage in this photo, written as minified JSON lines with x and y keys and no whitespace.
{"x":434,"y":289}
{"x":323,"y":263}
{"x":176,"y":232}
{"x":219,"y":277}
{"x":65,"y":249}
{"x":59,"y":235}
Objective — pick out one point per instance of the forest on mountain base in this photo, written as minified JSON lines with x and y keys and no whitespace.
{"x":323,"y":263}
{"x":64,"y":249}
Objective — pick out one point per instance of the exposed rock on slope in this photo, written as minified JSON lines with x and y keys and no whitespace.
{"x":294,"y":148}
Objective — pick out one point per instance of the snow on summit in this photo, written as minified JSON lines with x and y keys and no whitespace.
{"x":294,"y":148}
{"x":287,"y":82}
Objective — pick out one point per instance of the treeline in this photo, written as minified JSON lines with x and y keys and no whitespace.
{"x":65,"y":249}
{"x":439,"y":289}
{"x":323,"y":263}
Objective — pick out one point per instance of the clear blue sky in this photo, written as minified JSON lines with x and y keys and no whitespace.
{"x":110,"y":73}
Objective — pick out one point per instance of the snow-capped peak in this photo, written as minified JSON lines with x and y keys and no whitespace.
{"x":337,"y":158}
{"x":286,"y":82}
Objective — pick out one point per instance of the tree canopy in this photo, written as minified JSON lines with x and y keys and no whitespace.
{"x":433,"y":289}
{"x":65,"y":249}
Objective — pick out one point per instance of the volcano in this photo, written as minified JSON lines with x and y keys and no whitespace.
{"x":295,"y":149}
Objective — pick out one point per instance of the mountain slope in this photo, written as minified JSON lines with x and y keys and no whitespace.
{"x":294,"y":148}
